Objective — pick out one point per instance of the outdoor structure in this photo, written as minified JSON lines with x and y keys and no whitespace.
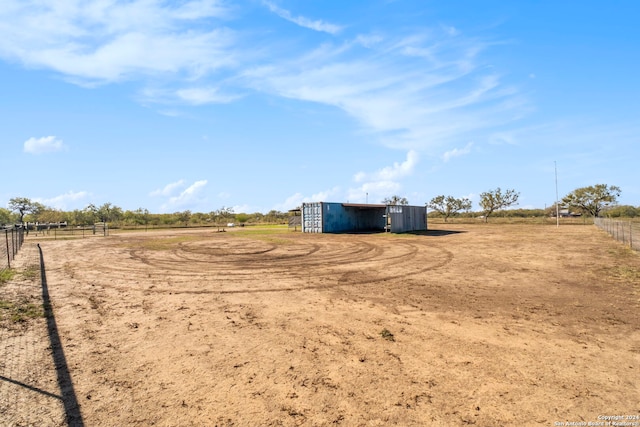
{"x":295,"y":219}
{"x":325,"y":217}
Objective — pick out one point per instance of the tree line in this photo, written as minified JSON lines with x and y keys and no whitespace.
{"x":596,"y":200}
{"x":22,"y":209}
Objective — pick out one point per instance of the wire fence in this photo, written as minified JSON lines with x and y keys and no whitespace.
{"x":30,"y":369}
{"x":12,"y":240}
{"x":627,"y":232}
{"x":79,"y":231}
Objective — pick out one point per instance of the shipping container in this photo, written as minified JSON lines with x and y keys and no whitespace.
{"x":326,"y":217}
{"x":402,"y":218}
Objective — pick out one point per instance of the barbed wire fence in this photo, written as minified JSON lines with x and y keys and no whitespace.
{"x":627,"y":232}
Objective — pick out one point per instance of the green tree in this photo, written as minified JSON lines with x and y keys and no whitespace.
{"x":622,"y":211}
{"x":449,"y":206}
{"x":142,"y":216}
{"x":23,"y":206}
{"x":138,"y":217}
{"x":242,"y":218}
{"x":7,"y":217}
{"x":395,"y":200}
{"x":91,"y":214}
{"x":592,"y":199}
{"x":82,"y":216}
{"x":183,"y":217}
{"x":50,"y":215}
{"x":491,"y":201}
{"x":108,"y":213}
{"x":199,"y":218}
{"x":276,"y":216}
{"x":257,"y":217}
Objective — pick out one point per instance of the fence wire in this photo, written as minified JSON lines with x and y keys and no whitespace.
{"x":12,"y":240}
{"x":627,"y":232}
{"x":29,"y":392}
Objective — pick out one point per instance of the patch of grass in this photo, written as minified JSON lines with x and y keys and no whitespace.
{"x":20,"y":312}
{"x":6,"y":275}
{"x":625,"y":273}
{"x":387,"y":335}
{"x":31,"y":272}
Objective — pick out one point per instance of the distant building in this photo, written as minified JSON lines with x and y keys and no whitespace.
{"x":326,"y":217}
{"x":565,"y":213}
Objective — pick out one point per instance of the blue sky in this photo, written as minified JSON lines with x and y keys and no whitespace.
{"x":260,"y":105}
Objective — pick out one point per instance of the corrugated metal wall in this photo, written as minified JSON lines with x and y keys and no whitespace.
{"x":312,"y":217}
{"x":407,"y":218}
{"x":324,"y":217}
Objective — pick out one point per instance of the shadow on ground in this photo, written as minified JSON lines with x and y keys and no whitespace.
{"x":69,"y":398}
{"x":435,"y":233}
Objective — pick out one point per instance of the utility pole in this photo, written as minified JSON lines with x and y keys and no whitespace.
{"x":555,"y":166}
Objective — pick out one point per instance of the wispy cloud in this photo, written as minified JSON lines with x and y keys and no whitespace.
{"x":106,"y":41}
{"x":421,"y":90}
{"x":298,"y":199}
{"x":388,"y":173}
{"x":64,"y":200}
{"x":241,"y":208}
{"x":46,"y":144}
{"x":186,"y":198}
{"x":456,"y":152}
{"x":375,"y":186}
{"x":374,"y":192}
{"x":316,"y":25}
{"x":169,"y":189}
{"x":204,"y":95}
{"x":195,"y":95}
{"x":419,"y":93}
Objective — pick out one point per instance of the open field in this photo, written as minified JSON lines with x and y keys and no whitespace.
{"x":479,"y":324}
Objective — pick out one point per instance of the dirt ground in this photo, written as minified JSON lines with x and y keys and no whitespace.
{"x":491,"y":325}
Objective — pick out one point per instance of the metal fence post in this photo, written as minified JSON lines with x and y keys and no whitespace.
{"x":6,"y":238}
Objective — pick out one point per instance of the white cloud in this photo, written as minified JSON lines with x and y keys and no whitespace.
{"x":187,"y":197}
{"x":204,"y":95}
{"x":113,"y":40}
{"x":62,"y":201}
{"x":382,"y":183}
{"x":397,"y":170}
{"x":241,"y":208}
{"x":452,"y":31}
{"x":456,"y":152}
{"x":419,"y":93}
{"x":414,"y":91}
{"x":297,"y":199}
{"x":373,"y":192}
{"x":46,"y":144}
{"x":499,"y":138}
{"x":168,"y":189}
{"x":196,"y":95}
{"x":317,"y":25}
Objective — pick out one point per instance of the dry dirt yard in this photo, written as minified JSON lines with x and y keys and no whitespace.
{"x":491,"y":325}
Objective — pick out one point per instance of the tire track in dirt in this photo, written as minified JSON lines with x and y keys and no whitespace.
{"x":251,"y":266}
{"x":286,"y":268}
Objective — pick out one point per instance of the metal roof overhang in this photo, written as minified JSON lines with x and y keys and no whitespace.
{"x":363,"y":206}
